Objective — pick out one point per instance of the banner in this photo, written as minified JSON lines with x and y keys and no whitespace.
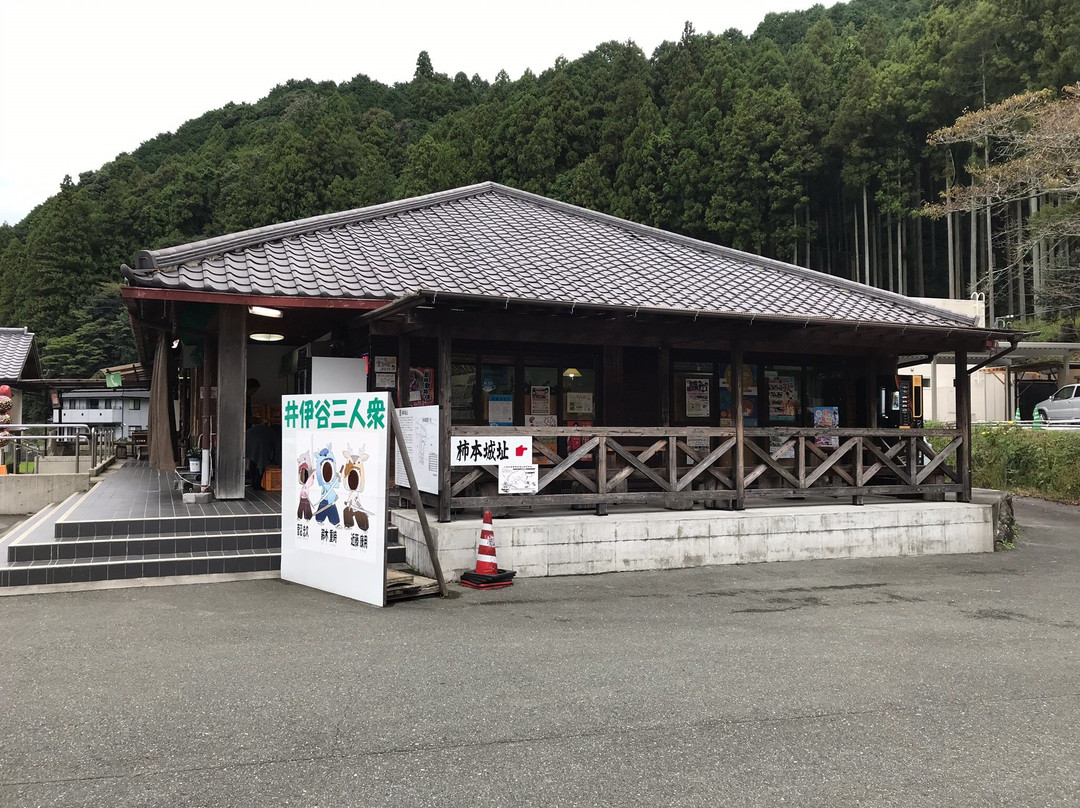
{"x":333,"y":493}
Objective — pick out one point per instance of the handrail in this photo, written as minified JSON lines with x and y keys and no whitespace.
{"x":84,"y":429}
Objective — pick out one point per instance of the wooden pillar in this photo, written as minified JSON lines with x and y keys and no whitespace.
{"x":664,"y":369}
{"x":963,"y":424}
{"x":442,"y":379}
{"x":231,"y":402}
{"x":404,"y":365}
{"x":739,"y":455}
{"x":612,"y":411}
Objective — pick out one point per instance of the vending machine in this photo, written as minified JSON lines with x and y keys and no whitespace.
{"x":900,"y":402}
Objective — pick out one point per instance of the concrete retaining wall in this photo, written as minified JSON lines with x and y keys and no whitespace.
{"x":29,"y":493}
{"x":573,"y":544}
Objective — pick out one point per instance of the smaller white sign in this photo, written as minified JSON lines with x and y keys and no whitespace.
{"x":488,"y":450}
{"x":386,"y":380}
{"x":579,"y":403}
{"x":386,"y":364}
{"x":541,"y":420}
{"x":420,"y":430}
{"x":519,"y":478}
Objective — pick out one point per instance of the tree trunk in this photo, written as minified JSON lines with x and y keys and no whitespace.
{"x":866,"y":235}
{"x":1020,"y":273}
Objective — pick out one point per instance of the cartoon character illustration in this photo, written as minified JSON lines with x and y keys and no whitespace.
{"x":353,"y":475}
{"x":306,"y":472}
{"x":328,"y":479}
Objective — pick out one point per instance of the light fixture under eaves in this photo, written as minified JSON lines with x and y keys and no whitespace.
{"x":266,"y":311}
{"x":572,"y":373}
{"x":266,"y":337}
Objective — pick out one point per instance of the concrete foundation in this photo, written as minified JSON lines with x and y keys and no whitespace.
{"x":29,"y":493}
{"x":573,"y":544}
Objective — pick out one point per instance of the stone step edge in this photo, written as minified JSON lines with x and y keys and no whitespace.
{"x":118,"y":528}
{"x":53,"y":563}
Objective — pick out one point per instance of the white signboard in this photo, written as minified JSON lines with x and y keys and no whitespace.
{"x":487,"y":450}
{"x":386,"y":364}
{"x":519,"y":478}
{"x":420,"y":429}
{"x":333,"y":493}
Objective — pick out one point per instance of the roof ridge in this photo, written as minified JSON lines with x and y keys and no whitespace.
{"x":174,"y":256}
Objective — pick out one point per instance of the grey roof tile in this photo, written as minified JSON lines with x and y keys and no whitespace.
{"x":16,"y":347}
{"x":496,"y":241}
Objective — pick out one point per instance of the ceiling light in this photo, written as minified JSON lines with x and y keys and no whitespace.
{"x":265,"y":311}
{"x":572,"y":373}
{"x":267,"y":337}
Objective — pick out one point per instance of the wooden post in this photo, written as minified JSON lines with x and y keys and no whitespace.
{"x":963,"y":424}
{"x":231,"y":402}
{"x":442,"y":375}
{"x":404,"y":365}
{"x":612,"y":410}
{"x":664,"y":370}
{"x":417,"y":503}
{"x":739,"y":455}
{"x":858,"y":499}
{"x":601,"y":475}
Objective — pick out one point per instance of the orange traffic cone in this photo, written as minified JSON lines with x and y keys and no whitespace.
{"x":486,"y":561}
{"x":487,"y":575}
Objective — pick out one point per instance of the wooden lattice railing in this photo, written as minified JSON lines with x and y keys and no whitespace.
{"x":679,"y":466}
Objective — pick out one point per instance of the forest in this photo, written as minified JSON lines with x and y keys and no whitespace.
{"x":901,"y":143}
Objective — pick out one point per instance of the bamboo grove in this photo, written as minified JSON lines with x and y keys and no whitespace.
{"x":888,"y":141}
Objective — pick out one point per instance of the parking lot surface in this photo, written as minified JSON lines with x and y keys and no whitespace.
{"x":904,"y":681}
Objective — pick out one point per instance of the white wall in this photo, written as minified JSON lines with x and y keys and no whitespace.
{"x":988,"y":393}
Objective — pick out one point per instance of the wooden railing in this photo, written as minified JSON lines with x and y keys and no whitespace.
{"x":677,"y":467}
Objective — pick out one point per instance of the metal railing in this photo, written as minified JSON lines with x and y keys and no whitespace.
{"x":100,"y":442}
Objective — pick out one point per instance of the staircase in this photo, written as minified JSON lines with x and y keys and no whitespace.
{"x":112,"y":549}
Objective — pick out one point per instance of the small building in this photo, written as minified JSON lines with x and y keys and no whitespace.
{"x":123,"y":409}
{"x":19,"y":361}
{"x":647,"y":367}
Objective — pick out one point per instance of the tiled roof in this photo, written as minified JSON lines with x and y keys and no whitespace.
{"x":16,"y":345}
{"x":495,"y":241}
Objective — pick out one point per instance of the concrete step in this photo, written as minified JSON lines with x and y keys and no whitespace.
{"x":166,"y":525}
{"x":147,"y":565}
{"x":103,"y":547}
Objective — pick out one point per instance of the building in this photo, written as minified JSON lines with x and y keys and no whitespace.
{"x":620,"y":348}
{"x":19,"y":361}
{"x":122,"y":409}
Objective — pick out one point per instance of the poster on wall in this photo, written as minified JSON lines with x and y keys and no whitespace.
{"x":420,"y":431}
{"x":500,"y":410}
{"x":386,"y":381}
{"x":574,"y":442}
{"x":776,"y":442}
{"x":421,"y":387}
{"x":697,"y":398}
{"x":579,"y":404}
{"x":826,"y":418}
{"x":783,"y":398}
{"x":541,"y":400}
{"x":750,"y":397}
{"x":333,"y":493}
{"x":386,"y":364}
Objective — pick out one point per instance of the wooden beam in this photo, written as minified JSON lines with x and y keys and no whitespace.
{"x":739,"y":460}
{"x":442,"y":379}
{"x":963,"y":424}
{"x":231,"y":402}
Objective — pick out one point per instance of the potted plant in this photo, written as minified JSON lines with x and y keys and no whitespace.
{"x":194,"y":459}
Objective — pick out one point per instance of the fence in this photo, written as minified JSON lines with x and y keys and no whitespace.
{"x":676,"y":467}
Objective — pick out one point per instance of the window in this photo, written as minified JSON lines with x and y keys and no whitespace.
{"x":1063,"y":393}
{"x":136,"y":404}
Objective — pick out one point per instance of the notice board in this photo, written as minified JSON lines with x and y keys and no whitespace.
{"x":333,"y":493}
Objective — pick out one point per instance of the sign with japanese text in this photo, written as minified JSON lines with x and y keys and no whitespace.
{"x":486,"y":450}
{"x":333,"y":493}
{"x":519,"y":478}
{"x":420,"y":430}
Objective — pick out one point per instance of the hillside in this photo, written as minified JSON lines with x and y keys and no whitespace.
{"x":806,"y":141}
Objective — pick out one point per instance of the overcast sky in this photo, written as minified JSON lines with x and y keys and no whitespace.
{"x":82,"y":81}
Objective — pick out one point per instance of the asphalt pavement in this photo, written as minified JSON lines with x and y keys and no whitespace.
{"x":933,"y":681}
